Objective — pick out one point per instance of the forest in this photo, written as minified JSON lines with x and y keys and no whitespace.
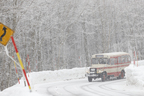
{"x":63,"y":34}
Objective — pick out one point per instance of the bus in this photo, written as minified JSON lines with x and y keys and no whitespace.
{"x":108,"y":65}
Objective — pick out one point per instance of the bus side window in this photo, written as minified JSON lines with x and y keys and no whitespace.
{"x":126,"y":58}
{"x":112,"y":61}
{"x":116,"y":61}
{"x":123,"y":59}
{"x":119,"y":59}
{"x":129,"y":59}
{"x":108,"y":62}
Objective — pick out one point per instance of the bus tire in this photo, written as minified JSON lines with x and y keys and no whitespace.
{"x":108,"y":77}
{"x":122,"y":74}
{"x":89,"y":79}
{"x":104,"y":76}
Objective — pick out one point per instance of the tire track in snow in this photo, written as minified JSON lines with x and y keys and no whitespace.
{"x":90,"y":90}
{"x":66,"y":89}
{"x":50,"y":93}
{"x":63,"y":87}
{"x":104,"y":87}
{"x":96,"y":88}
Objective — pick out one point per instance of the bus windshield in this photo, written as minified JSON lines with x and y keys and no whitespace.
{"x":100,"y":61}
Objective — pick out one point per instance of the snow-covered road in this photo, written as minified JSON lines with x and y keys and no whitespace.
{"x":82,"y":87}
{"x":72,"y":82}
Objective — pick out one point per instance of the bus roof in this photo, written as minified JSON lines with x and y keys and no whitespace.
{"x":113,"y":54}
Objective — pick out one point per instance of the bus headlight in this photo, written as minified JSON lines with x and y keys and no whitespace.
{"x":99,"y":71}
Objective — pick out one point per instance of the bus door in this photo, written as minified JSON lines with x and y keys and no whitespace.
{"x":116,"y":66}
{"x":119,"y":65}
{"x":113,"y":66}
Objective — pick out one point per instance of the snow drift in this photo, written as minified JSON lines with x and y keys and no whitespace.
{"x":58,"y":75}
{"x":135,"y":74}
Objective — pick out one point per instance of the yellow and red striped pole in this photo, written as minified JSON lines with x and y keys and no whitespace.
{"x":16,"y":71}
{"x":21,"y":64}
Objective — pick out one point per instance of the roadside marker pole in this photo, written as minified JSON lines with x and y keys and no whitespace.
{"x":137,"y":59}
{"x":14,"y":61}
{"x":29,"y":64}
{"x":80,"y":61}
{"x":21,"y":64}
{"x":16,"y":71}
{"x":134,"y":57}
{"x":36,"y":65}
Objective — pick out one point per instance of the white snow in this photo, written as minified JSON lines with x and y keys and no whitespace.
{"x":134,"y":80}
{"x":58,"y":75}
{"x":135,"y":75}
{"x":41,"y":78}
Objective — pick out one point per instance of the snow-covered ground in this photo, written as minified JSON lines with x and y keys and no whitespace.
{"x":135,"y":74}
{"x":134,"y":80}
{"x":41,"y":78}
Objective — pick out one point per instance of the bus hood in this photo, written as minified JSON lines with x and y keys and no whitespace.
{"x":98,"y":65}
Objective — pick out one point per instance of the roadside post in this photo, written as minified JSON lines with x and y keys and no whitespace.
{"x":28,"y":64}
{"x":7,"y":53}
{"x":134,"y":58}
{"x":137,"y":59}
{"x":16,"y":71}
{"x":5,"y":35}
{"x":21,"y":64}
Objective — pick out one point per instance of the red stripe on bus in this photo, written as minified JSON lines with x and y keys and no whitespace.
{"x":122,"y":63}
{"x":114,"y":73}
{"x":113,"y":66}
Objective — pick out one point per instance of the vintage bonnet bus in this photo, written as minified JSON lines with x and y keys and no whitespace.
{"x":108,"y":65}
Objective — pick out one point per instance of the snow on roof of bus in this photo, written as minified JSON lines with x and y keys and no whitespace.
{"x":112,"y":54}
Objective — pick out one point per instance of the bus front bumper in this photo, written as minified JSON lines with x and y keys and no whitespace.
{"x":94,"y":75}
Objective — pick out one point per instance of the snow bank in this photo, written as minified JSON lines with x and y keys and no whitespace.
{"x":135,"y":74}
{"x":43,"y":77}
{"x":58,"y":75}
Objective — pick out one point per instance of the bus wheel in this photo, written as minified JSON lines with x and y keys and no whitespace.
{"x":103,"y":77}
{"x":89,"y":79}
{"x":122,"y":74}
{"x":108,"y":77}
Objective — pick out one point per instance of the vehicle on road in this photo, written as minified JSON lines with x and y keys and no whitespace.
{"x":108,"y":65}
